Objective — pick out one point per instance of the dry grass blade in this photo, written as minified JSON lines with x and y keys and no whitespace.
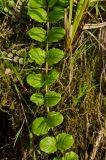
{"x":97,"y":143}
{"x":94,"y":26}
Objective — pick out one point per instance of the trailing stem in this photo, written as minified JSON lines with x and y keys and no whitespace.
{"x":47,"y":47}
{"x":42,"y":125}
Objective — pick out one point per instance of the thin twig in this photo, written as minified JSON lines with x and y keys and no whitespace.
{"x":47,"y":67}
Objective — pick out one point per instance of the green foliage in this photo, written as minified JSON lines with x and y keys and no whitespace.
{"x":57,"y":158}
{"x":38,"y":14}
{"x":56,"y":14}
{"x":48,"y":145}
{"x":54,"y":119}
{"x":54,"y":56}
{"x":38,"y":80}
{"x":35,"y":80}
{"x":36,"y":3}
{"x":51,"y":77}
{"x":70,"y":156}
{"x":42,"y":125}
{"x":38,"y":10}
{"x":38,"y":55}
{"x":44,"y":56}
{"x":37,"y":33}
{"x":78,"y":16}
{"x":52,"y":98}
{"x":55,"y":34}
{"x":51,"y":3}
{"x":64,"y":141}
{"x":63,"y":3}
{"x":39,"y":126}
{"x":37,"y":98}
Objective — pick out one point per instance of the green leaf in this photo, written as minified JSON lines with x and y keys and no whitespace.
{"x":39,"y":14}
{"x":56,"y":15}
{"x":37,"y":33}
{"x":54,"y":119}
{"x":39,"y":126}
{"x":51,"y":3}
{"x":55,"y":34}
{"x":54,"y":56}
{"x":35,"y":80}
{"x":52,"y":98}
{"x":64,"y":141}
{"x":51,"y":77}
{"x":48,"y":145}
{"x":70,"y":156}
{"x":63,"y":3}
{"x":38,"y":55}
{"x":37,"y":98}
{"x":37,"y":3}
{"x":1,"y":5}
{"x":57,"y":158}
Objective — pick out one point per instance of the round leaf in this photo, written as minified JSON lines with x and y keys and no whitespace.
{"x":64,"y":141}
{"x":56,"y":15}
{"x":39,"y":14}
{"x":48,"y":145}
{"x":54,"y":56}
{"x":70,"y":156}
{"x":63,"y":3}
{"x":51,"y":77}
{"x":52,"y":98}
{"x":39,"y":126}
{"x":35,"y":80}
{"x":38,"y":55}
{"x":55,"y":34}
{"x":37,"y":33}
{"x":37,"y":3}
{"x":51,"y":3}
{"x":54,"y":119}
{"x":37,"y":98}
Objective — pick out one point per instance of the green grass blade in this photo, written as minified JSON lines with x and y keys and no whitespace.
{"x":70,"y":19}
{"x":78,"y":16}
{"x":70,"y":12}
{"x":18,"y":133}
